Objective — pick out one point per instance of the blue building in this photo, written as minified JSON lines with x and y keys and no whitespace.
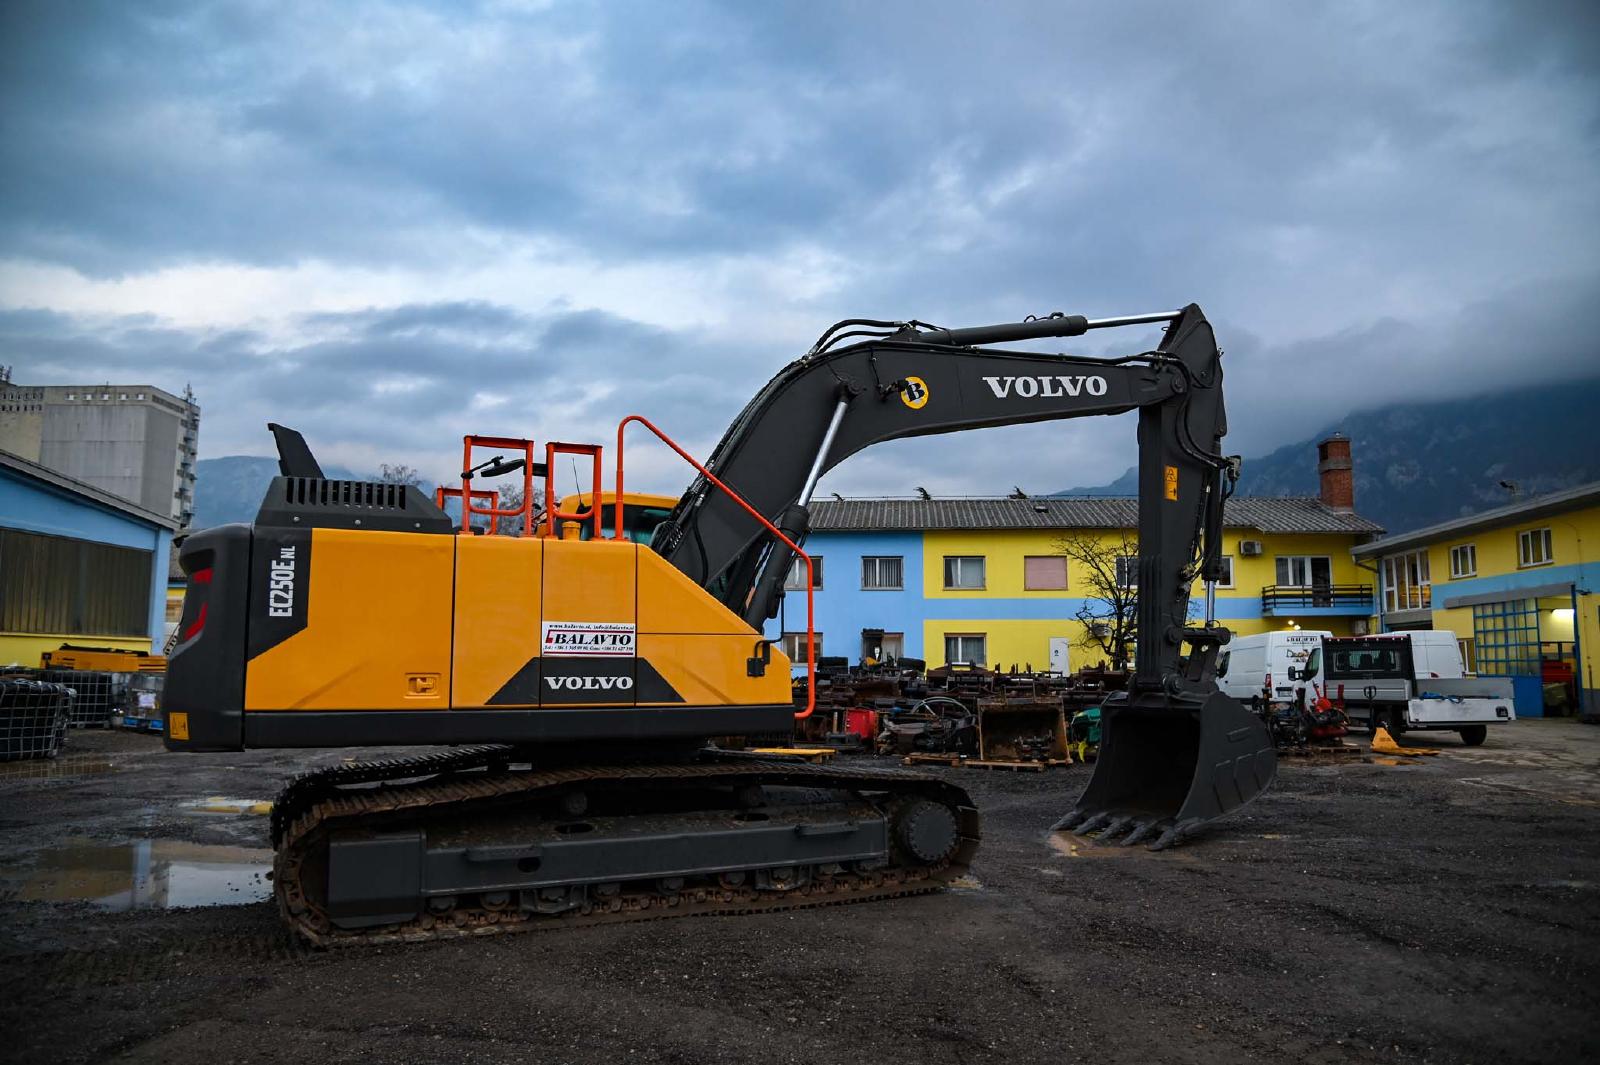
{"x":77,"y":565}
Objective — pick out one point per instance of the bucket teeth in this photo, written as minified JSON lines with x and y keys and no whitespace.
{"x":1144,"y":829}
{"x":1092,"y":823}
{"x":1073,"y":817}
{"x":1176,"y":833}
{"x":1115,"y":828}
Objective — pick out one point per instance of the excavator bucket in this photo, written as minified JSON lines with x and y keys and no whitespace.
{"x":1168,"y":765}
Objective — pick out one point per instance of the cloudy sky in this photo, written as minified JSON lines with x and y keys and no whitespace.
{"x":388,"y":223}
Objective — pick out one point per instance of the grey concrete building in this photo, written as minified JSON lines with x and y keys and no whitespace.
{"x":136,"y":442}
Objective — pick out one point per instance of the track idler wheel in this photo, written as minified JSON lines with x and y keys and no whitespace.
{"x":925,"y":831}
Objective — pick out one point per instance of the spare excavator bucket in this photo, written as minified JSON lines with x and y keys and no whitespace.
{"x":1169,"y":765}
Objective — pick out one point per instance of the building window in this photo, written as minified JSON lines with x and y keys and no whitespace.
{"x":1304,"y":571}
{"x":72,"y":395}
{"x":882,"y":647}
{"x":1534,"y":547}
{"x":796,"y":580}
{"x":1227,"y":572}
{"x":1463,"y":561}
{"x":882,"y":572}
{"x":1127,"y":571}
{"x":60,"y":586}
{"x":971,"y":649}
{"x":1407,"y":584}
{"x":1469,"y":655}
{"x":964,"y":572}
{"x":794,"y":646}
{"x":1044,"y":573}
{"x":139,"y":396}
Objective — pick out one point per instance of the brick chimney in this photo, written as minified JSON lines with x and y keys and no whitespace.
{"x":1338,"y":491}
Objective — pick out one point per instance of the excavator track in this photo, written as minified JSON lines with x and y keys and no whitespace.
{"x":468,"y":785}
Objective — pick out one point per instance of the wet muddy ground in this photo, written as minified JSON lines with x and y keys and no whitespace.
{"x":1441,"y":911}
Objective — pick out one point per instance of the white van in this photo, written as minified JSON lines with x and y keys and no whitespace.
{"x":1287,"y":663}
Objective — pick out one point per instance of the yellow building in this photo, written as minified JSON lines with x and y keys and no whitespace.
{"x":989,"y":580}
{"x":1515,"y":584}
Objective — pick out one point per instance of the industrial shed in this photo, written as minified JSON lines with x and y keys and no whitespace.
{"x":76,"y":565}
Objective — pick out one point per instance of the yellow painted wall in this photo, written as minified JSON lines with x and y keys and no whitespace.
{"x":1574,"y":540}
{"x":1025,"y":641}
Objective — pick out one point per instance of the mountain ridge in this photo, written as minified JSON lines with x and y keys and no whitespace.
{"x":1418,"y":464}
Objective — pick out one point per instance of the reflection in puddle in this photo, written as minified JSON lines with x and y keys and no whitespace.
{"x":220,"y":804}
{"x":1379,"y":759}
{"x":1077,"y":847}
{"x":150,"y":874}
{"x":73,"y":765}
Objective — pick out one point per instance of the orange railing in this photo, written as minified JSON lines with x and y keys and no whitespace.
{"x":554,"y":517}
{"x":492,"y":512}
{"x":811,"y":631}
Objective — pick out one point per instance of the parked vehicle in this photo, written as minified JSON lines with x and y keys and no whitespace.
{"x":1275,"y":666}
{"x":1413,"y":680}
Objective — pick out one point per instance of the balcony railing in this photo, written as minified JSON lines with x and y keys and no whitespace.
{"x":1346,"y":598}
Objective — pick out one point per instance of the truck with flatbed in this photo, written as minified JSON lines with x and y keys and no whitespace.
{"x":1407,"y":681}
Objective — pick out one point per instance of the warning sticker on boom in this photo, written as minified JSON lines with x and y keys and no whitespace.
{"x":588,"y":639}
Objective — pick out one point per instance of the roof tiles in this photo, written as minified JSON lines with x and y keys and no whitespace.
{"x":1294,"y":514}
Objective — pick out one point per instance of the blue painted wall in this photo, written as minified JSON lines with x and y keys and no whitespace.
{"x":844,"y":608}
{"x":38,"y":507}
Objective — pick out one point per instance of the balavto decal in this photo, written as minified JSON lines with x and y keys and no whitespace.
{"x":587,"y":639}
{"x":280,"y":584}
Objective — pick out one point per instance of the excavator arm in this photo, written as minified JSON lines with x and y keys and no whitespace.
{"x":1175,"y":752}
{"x":836,"y":401}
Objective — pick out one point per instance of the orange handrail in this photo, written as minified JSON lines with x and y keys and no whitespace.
{"x":553,"y":516}
{"x":811,"y":631}
{"x":492,"y":512}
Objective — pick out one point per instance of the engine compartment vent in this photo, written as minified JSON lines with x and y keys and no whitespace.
{"x":374,"y":506}
{"x":317,"y":491}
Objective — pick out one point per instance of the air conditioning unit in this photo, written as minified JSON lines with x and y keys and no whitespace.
{"x":1250,"y":547}
{"x":1099,"y":629}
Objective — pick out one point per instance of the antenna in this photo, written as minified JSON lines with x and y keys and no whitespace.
{"x":577,"y":484}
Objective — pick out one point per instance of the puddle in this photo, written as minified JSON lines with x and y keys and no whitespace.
{"x":967,"y":883}
{"x":73,"y":765}
{"x":150,"y":874}
{"x":1076,"y":847}
{"x":219,"y":804}
{"x":1379,"y":759}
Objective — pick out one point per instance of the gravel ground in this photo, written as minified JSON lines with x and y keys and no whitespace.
{"x":1441,"y":912}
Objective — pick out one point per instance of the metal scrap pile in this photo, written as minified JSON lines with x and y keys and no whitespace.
{"x":1020,"y":716}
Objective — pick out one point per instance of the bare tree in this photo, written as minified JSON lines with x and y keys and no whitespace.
{"x":399,"y":474}
{"x":1107,"y":570}
{"x":510,"y":499}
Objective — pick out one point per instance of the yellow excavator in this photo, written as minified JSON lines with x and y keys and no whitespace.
{"x":574,"y":662}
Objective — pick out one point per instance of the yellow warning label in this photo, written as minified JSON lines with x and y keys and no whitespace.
{"x":178,"y":726}
{"x":1172,"y":483}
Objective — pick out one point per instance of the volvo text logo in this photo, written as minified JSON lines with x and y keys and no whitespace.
{"x":1049,"y":387}
{"x":589,"y":683}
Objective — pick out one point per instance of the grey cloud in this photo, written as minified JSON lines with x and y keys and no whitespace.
{"x":1369,"y":199}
